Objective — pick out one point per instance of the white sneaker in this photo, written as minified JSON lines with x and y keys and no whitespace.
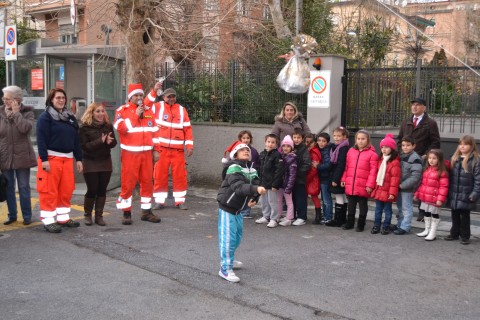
{"x":283,"y":219}
{"x":286,"y":223}
{"x":272,"y":224}
{"x":237,"y":264}
{"x":298,"y":222}
{"x":228,"y":275}
{"x":261,"y":220}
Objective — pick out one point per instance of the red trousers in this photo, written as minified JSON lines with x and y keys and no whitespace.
{"x":55,"y":189}
{"x":174,"y":158}
{"x":136,"y":167}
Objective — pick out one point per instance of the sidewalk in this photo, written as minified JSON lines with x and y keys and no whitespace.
{"x":443,"y":227}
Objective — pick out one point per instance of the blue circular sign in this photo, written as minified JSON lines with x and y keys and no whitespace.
{"x":10,"y":36}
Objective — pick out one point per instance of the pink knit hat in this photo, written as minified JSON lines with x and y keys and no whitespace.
{"x":288,"y":141}
{"x":388,"y":141}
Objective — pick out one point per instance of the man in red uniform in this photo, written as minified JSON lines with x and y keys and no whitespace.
{"x":136,"y":127}
{"x":173,"y":136}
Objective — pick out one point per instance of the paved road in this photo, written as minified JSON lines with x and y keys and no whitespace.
{"x":169,"y":271}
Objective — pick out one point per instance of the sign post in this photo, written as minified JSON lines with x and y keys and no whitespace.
{"x":11,"y":43}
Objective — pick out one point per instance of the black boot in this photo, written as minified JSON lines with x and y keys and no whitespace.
{"x":318,"y":216}
{"x":99,"y":205}
{"x":361,"y":222}
{"x":88,"y":208}
{"x":336,"y":215}
{"x":127,"y":218}
{"x":342,"y":215}
{"x":350,"y":221}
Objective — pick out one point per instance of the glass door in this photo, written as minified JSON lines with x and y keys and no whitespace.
{"x":56,"y":73}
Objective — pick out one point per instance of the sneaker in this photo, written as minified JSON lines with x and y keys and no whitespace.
{"x":286,"y":223}
{"x":450,"y":238}
{"x":53,"y":228}
{"x":272,"y":224}
{"x":283,"y":219}
{"x":399,"y":231}
{"x":465,"y":241}
{"x":262,"y":220}
{"x":182,"y":206}
{"x":323,"y":221}
{"x":228,"y":275}
{"x":247,"y":216}
{"x":69,"y":223}
{"x":298,"y":222}
{"x":375,"y":230}
{"x":237,"y":264}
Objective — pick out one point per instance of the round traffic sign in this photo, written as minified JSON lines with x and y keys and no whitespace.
{"x":10,"y":36}
{"x":319,"y":85}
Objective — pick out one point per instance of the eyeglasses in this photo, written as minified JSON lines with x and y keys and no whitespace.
{"x":59,"y":98}
{"x":7,"y":99}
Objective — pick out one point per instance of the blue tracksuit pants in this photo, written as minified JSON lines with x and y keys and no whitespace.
{"x":230,"y":231}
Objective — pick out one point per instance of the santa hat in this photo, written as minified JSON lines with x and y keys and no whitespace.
{"x":288,"y":141}
{"x":133,"y":89}
{"x":388,"y":141}
{"x":226,"y":154}
{"x":238,"y":147}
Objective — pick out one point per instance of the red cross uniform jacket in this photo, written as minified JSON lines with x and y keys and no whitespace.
{"x":174,"y":127}
{"x":135,"y":134}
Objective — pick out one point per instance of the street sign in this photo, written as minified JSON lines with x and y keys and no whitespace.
{"x":11,"y":43}
{"x":319,"y":93}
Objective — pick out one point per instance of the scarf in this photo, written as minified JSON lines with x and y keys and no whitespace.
{"x":382,"y":170}
{"x":64,"y":115}
{"x":334,"y":153}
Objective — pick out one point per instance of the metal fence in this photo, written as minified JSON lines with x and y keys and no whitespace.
{"x":379,"y":98}
{"x":235,"y":93}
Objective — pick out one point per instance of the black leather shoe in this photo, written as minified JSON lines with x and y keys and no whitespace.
{"x":9,"y":221}
{"x":26,"y":222}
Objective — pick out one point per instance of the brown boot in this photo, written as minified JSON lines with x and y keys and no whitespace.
{"x":99,"y":205}
{"x":88,"y":208}
{"x":147,"y":215}
{"x":127,"y":218}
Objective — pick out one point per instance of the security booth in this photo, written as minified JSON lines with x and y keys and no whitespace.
{"x":87,"y":74}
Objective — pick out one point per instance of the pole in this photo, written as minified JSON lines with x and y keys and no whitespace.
{"x":417,"y":78}
{"x":298,"y":16}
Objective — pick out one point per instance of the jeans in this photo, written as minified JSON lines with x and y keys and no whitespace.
{"x":405,"y":210}
{"x":23,"y":182}
{"x":380,"y":207}
{"x":326,"y":202}
{"x":299,"y":194}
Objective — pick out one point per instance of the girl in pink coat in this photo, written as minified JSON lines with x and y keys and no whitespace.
{"x":388,"y":179}
{"x":432,"y":192}
{"x":359,"y":178}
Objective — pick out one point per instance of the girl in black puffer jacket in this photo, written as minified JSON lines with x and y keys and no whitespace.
{"x":464,"y":187}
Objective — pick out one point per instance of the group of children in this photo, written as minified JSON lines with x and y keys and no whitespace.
{"x":286,"y":173}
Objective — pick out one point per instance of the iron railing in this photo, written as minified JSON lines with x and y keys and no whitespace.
{"x":379,"y":98}
{"x":235,"y":93}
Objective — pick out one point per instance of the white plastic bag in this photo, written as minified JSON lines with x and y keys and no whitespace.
{"x":295,"y":76}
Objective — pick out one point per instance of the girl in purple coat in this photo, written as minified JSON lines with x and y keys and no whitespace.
{"x":359,"y":178}
{"x":290,"y":163}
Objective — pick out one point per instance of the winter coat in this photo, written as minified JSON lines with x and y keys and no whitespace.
{"x":433,"y":188}
{"x":426,"y":134}
{"x":304,"y":163}
{"x":96,"y":153}
{"x":283,"y":127}
{"x":313,"y":182}
{"x":412,"y":166}
{"x":16,"y":150}
{"x":391,"y":181}
{"x":464,"y":188}
{"x":255,"y":157}
{"x":360,"y":171}
{"x":338,"y":169}
{"x":290,"y":174}
{"x":239,"y":186}
{"x":325,"y":166}
{"x":271,"y":169}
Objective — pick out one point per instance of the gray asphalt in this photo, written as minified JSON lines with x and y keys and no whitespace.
{"x":169,"y":271}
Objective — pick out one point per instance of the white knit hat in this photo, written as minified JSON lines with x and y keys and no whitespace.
{"x":238,"y":147}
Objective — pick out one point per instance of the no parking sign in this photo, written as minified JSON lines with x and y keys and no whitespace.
{"x":319,"y":93}
{"x":11,"y":43}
